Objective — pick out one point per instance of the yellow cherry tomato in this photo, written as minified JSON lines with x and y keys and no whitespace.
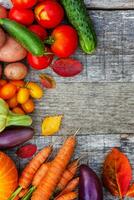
{"x":23,"y":95}
{"x":18,"y":110}
{"x":35,"y":90}
{"x":12,"y":102}
{"x":29,"y":106}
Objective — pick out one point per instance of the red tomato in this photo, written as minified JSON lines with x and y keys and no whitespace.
{"x":66,"y":41}
{"x":39,"y":30}
{"x":3,"y":12}
{"x":23,"y":16}
{"x":49,"y":13}
{"x":39,"y":62}
{"x":24,"y":3}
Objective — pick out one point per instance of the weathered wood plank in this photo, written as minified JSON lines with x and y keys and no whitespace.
{"x":94,"y":149}
{"x":111,"y":4}
{"x":98,"y":107}
{"x":114,"y":59}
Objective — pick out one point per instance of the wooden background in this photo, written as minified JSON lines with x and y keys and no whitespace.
{"x":101,"y":99}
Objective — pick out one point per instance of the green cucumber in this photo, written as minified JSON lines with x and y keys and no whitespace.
{"x":79,"y":18}
{"x":24,"y":36}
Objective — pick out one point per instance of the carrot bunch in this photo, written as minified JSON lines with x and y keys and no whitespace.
{"x":53,"y":180}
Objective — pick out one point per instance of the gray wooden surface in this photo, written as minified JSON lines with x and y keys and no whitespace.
{"x":101,"y":99}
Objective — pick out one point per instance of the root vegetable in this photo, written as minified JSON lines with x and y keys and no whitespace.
{"x":2,"y":37}
{"x":12,"y":51}
{"x":15,"y":71}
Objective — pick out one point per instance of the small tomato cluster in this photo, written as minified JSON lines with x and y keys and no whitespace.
{"x":19,"y":95}
{"x":63,"y":39}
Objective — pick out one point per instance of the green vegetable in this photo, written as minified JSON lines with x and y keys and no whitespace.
{"x":79,"y":18}
{"x":24,"y":36}
{"x":8,"y":118}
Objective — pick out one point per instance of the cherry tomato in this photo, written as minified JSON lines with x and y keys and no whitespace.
{"x":12,"y":102}
{"x":18,"y":110}
{"x":36,"y":91}
{"x":29,"y":106}
{"x":39,"y":62}
{"x":24,"y":3}
{"x":18,"y":83}
{"x":2,"y":82}
{"x":65,"y":41}
{"x":3,"y":12}
{"x":39,"y":30}
{"x":22,"y":16}
{"x":49,"y":13}
{"x":7,"y":91}
{"x":23,"y":95}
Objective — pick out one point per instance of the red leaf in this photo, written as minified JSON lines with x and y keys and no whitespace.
{"x":67,"y":67}
{"x":117,"y":173}
{"x":26,"y":151}
{"x":47,"y":81}
{"x":130,"y":192}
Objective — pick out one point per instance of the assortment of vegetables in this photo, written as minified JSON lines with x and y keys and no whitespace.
{"x":45,"y":179}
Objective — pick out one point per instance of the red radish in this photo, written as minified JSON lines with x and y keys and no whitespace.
{"x":27,"y":151}
{"x":67,"y":67}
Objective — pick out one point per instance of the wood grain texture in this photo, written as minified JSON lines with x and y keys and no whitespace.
{"x":99,"y":108}
{"x":110,"y":4}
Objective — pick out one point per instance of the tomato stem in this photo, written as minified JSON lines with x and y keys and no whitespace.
{"x":49,"y":40}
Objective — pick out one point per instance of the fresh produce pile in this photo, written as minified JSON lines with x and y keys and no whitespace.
{"x":35,"y":33}
{"x":58,"y":178}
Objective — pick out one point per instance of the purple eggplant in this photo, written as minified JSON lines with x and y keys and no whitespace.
{"x":90,"y":187}
{"x":14,"y":136}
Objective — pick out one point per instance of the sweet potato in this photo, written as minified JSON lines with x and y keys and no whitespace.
{"x":2,"y":37}
{"x":12,"y":51}
{"x":15,"y":71}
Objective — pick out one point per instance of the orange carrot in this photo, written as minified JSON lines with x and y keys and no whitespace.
{"x":40,"y":174}
{"x":70,"y":187}
{"x":30,"y":170}
{"x":22,"y":193}
{"x":68,"y":175}
{"x":49,"y":183}
{"x":68,"y":196}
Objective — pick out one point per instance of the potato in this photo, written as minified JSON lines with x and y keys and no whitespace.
{"x":3,"y":12}
{"x":15,"y":71}
{"x":2,"y":37}
{"x":12,"y":51}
